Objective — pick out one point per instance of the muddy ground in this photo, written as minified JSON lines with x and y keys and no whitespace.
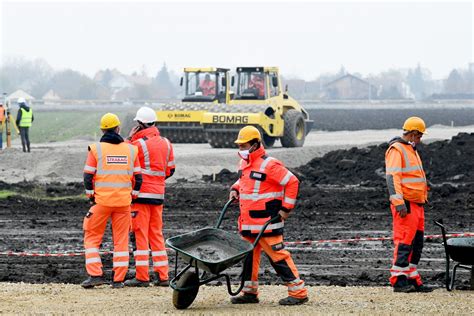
{"x":342,"y":195}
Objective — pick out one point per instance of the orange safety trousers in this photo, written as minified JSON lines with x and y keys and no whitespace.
{"x":94,"y":228}
{"x":281,"y":261}
{"x":408,"y":235}
{"x":147,"y":226}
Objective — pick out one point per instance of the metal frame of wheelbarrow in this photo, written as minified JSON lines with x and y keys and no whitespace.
{"x":202,"y":278}
{"x":450,"y":279}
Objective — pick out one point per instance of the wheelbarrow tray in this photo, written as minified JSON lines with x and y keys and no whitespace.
{"x":461,"y":250}
{"x":211,"y":249}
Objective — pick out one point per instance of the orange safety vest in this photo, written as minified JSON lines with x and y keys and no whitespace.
{"x":156,"y":160}
{"x":114,"y":173}
{"x":406,"y":179}
{"x":265,"y":187}
{"x":2,"y":114}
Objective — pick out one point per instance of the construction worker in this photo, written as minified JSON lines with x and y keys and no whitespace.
{"x":265,"y":189}
{"x":207,"y":86}
{"x":112,"y":167}
{"x":2,"y":123}
{"x":24,"y":119}
{"x":156,"y":158}
{"x":408,"y":190}
{"x":257,"y":82}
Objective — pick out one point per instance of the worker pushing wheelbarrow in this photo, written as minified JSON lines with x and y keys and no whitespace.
{"x":266,"y":192}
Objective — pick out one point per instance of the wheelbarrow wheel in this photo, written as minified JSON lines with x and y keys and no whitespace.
{"x":182,"y":299}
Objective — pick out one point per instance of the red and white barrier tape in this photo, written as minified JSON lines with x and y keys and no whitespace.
{"x":328,"y":241}
{"x":288,"y":243}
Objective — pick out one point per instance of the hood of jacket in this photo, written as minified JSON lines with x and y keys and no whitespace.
{"x":25,"y":107}
{"x":147,"y":132}
{"x":111,"y":138}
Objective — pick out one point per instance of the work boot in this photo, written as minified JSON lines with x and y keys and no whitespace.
{"x":423,"y":289}
{"x":117,"y":285}
{"x":92,"y":281}
{"x":159,"y":282}
{"x":420,"y":288}
{"x":136,"y":283}
{"x":404,"y":289}
{"x":403,"y":285}
{"x":289,"y":301}
{"x":246,"y":298}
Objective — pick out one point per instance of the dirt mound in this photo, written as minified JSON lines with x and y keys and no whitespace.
{"x":444,"y":161}
{"x":224,"y":176}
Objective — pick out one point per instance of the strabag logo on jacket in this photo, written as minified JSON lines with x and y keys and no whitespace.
{"x":117,"y":160}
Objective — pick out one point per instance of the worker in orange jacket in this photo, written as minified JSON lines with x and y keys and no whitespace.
{"x":156,"y":157}
{"x":265,"y":189}
{"x":112,"y":178}
{"x":208,"y":86}
{"x":258,"y":82}
{"x":408,"y":190}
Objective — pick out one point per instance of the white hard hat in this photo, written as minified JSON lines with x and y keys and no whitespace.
{"x":146,"y":115}
{"x":21,"y":100}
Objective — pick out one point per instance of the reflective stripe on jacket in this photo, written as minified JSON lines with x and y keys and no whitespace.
{"x":406,"y":179}
{"x":156,"y":157}
{"x":113,"y":173}
{"x":265,"y":187}
{"x":26,"y":118}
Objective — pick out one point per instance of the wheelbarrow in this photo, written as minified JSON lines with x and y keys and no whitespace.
{"x":460,"y":250}
{"x":208,"y":252}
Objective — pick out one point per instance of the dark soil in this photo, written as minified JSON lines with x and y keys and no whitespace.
{"x":342,"y":195}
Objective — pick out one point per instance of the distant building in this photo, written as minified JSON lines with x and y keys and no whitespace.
{"x":349,"y":87}
{"x":20,"y":94}
{"x":51,"y":95}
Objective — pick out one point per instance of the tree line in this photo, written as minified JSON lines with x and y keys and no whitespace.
{"x":37,"y":77}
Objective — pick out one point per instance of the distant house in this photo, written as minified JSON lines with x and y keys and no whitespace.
{"x":20,"y":94}
{"x":119,"y":83}
{"x":51,"y":96}
{"x":349,"y":87}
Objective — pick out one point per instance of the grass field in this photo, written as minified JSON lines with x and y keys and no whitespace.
{"x":53,"y":126}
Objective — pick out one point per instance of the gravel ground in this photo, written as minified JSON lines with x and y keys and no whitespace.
{"x":24,"y":298}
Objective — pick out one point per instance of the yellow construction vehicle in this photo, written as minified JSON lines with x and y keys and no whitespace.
{"x":181,"y":122}
{"x":259,"y":100}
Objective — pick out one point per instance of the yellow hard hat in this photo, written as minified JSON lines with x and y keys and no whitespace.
{"x":109,"y":120}
{"x":415,"y":123}
{"x":247,"y":133}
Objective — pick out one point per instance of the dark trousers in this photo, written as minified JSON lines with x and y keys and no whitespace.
{"x":25,"y":138}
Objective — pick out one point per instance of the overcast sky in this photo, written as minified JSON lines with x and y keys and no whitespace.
{"x":303,"y":39}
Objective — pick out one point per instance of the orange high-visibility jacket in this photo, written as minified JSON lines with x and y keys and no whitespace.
{"x":208,"y":88}
{"x":113,"y":166}
{"x":265,"y":187}
{"x":156,"y":157}
{"x":406,"y":179}
{"x":2,"y":115}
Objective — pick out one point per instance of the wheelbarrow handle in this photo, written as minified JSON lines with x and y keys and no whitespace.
{"x":224,"y":210}
{"x":260,"y":234}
